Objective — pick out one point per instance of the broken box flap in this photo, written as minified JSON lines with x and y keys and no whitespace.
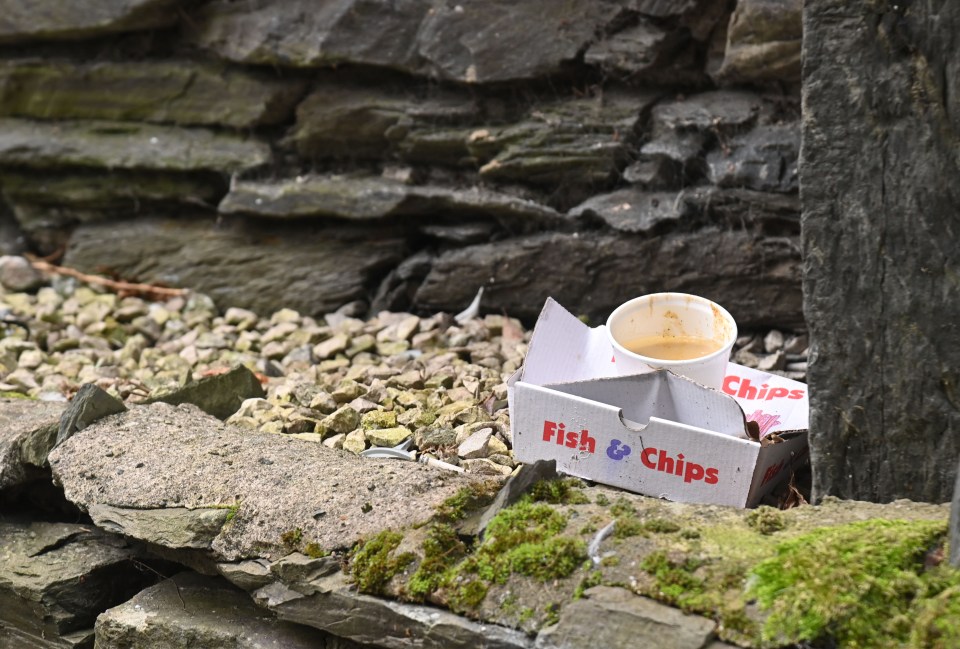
{"x":564,"y":350}
{"x":663,"y":395}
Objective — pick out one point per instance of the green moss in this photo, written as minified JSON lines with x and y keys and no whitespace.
{"x":9,"y":394}
{"x":522,"y":539}
{"x":231,"y":513}
{"x":467,"y":499}
{"x":661,"y":526}
{"x":766,"y":520}
{"x":373,"y":564}
{"x":674,"y":581}
{"x":622,"y":507}
{"x":565,"y":491}
{"x":442,"y":549}
{"x":602,"y":500}
{"x":315,"y":551}
{"x":291,"y":539}
{"x":862,"y":584}
{"x":593,"y":578}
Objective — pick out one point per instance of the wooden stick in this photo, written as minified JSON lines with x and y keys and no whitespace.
{"x":129,"y":288}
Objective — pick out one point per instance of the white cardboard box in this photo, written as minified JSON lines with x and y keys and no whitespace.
{"x":657,"y":434}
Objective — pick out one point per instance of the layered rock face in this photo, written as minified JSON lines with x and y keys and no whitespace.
{"x":279,"y":154}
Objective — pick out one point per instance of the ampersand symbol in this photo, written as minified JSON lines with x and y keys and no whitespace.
{"x":617,"y":450}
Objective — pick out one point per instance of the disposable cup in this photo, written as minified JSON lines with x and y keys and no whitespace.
{"x":700,"y":331}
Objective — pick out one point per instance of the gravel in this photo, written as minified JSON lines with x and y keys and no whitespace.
{"x":342,"y":381}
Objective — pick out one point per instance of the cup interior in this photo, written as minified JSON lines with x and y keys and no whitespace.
{"x":672,"y":316}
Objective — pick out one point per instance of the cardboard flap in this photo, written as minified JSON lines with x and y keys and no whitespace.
{"x":563,"y":349}
{"x":663,"y":395}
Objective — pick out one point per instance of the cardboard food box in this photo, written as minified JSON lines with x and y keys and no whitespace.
{"x":657,"y":433}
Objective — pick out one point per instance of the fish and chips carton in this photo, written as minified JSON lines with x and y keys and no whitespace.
{"x":654,"y":433}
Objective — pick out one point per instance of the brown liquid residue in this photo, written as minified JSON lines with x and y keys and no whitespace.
{"x":675,"y":348}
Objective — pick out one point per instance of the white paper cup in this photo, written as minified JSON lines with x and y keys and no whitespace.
{"x":701,"y":331}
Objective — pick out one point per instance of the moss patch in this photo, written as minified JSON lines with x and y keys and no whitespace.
{"x":566,"y":491}
{"x":467,"y":499}
{"x":862,"y":584}
{"x":373,"y":563}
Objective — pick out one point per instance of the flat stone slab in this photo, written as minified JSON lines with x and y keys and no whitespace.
{"x":32,"y":20}
{"x":190,"y":610}
{"x":277,"y":493}
{"x":125,"y":145}
{"x":258,"y":266}
{"x":55,"y":578}
{"x":354,"y":198}
{"x":177,"y":92}
{"x":28,"y":430}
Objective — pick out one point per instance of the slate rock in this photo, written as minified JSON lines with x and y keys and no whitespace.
{"x":364,"y":198}
{"x":181,"y":92}
{"x":581,"y":141}
{"x":764,"y":159}
{"x":735,"y":207}
{"x":219,"y":395}
{"x":362,"y":121}
{"x":125,"y":145}
{"x":717,"y":111}
{"x":56,"y":198}
{"x":879,"y":210}
{"x":763,"y":42}
{"x":632,"y":210}
{"x":298,"y":33}
{"x":191,"y":610}
{"x":55,"y":578}
{"x":633,"y":50}
{"x":250,"y":265}
{"x":89,"y":404}
{"x":136,"y":461}
{"x":175,"y":528}
{"x":330,"y":602}
{"x":28,"y":431}
{"x":756,"y":278}
{"x":616,"y":618}
{"x":32,"y":20}
{"x":484,"y":42}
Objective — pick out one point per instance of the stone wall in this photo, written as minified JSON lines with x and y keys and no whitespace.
{"x":405,"y":154}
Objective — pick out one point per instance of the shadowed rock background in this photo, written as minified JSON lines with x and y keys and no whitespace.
{"x":285,"y":154}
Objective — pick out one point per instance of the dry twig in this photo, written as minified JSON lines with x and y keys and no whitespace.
{"x":146,"y":291}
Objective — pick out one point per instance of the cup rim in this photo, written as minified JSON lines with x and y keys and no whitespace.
{"x":650,"y":360}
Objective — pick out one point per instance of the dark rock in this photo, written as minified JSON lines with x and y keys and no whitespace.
{"x":357,"y":121}
{"x":254,"y":266}
{"x":358,"y":198}
{"x":879,"y":191}
{"x":89,"y":404}
{"x":125,"y":145}
{"x":219,"y":395}
{"x":55,"y":578}
{"x":298,"y":33}
{"x":763,"y":42}
{"x":756,"y":278}
{"x":28,"y":431}
{"x":482,"y":42}
{"x":12,"y":239}
{"x":719,"y":111}
{"x":189,"y":610}
{"x":614,"y":617}
{"x":654,"y":173}
{"x":331,"y":603}
{"x":268,"y":481}
{"x":765,"y":159}
{"x":30,"y":20}
{"x":634,"y":50}
{"x":739,"y":208}
{"x":631,"y":210}
{"x":575,"y":142}
{"x":178,"y":92}
{"x":56,"y":199}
